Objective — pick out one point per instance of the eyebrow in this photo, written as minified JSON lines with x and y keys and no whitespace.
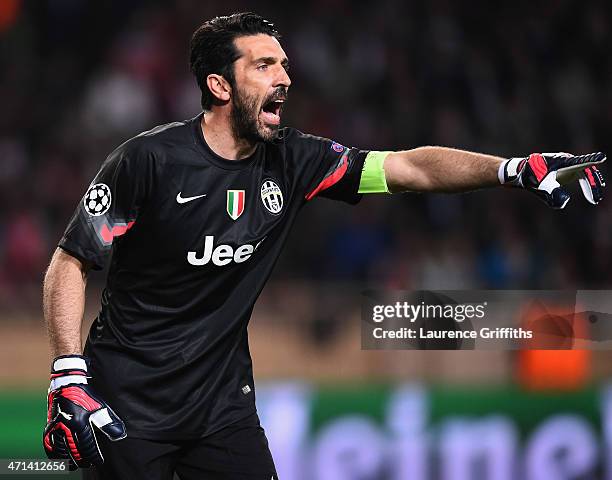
{"x":272,"y":60}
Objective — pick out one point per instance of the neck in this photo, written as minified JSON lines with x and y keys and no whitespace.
{"x":218,"y":134}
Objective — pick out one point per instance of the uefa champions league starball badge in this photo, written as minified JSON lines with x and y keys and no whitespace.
{"x":97,"y":200}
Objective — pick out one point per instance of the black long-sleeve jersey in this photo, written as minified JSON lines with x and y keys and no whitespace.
{"x":194,"y":237}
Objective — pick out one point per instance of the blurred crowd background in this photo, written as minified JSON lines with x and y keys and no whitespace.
{"x":77,"y":78}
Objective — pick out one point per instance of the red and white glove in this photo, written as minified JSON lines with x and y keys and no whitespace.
{"x":72,"y":411}
{"x":545,"y":173}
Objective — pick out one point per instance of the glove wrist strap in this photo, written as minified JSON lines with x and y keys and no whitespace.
{"x":509,"y":170}
{"x":67,"y":370}
{"x":69,"y":362}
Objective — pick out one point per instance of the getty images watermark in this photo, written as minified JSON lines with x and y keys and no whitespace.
{"x":486,"y":319}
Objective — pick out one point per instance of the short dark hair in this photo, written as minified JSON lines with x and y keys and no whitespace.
{"x":212,"y":48}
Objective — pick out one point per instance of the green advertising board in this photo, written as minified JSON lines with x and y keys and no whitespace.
{"x":407,"y":432}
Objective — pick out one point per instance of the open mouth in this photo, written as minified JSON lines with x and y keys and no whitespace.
{"x":271,"y":111}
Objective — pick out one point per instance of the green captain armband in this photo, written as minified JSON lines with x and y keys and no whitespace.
{"x":373,"y":175}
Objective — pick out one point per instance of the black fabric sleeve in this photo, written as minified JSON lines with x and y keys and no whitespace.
{"x":111,"y":205}
{"x":325,"y":168}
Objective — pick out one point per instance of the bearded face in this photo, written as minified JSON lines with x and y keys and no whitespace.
{"x":257,"y":119}
{"x":258,"y":88}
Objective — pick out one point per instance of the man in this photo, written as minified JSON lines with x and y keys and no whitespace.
{"x":195,"y":214}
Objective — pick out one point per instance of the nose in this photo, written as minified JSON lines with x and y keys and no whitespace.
{"x":283,"y":78}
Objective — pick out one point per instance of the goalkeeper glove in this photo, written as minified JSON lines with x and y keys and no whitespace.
{"x":544,"y":173}
{"x":72,"y":411}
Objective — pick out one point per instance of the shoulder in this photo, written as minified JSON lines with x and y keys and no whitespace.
{"x":290,"y":135}
{"x":153,"y":144}
{"x":293,"y":140}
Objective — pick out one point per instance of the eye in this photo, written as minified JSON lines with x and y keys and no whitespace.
{"x":262,"y":67}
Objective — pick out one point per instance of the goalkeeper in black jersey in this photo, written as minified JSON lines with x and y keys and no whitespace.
{"x":195,"y":214}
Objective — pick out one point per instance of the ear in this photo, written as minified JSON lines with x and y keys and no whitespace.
{"x":219,"y":87}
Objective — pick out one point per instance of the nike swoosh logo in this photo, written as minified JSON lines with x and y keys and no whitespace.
{"x":180,"y":199}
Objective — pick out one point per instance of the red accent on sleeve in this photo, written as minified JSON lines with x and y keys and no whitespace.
{"x":79,"y":396}
{"x":118,"y":230}
{"x":538,"y":165}
{"x":330,"y":180}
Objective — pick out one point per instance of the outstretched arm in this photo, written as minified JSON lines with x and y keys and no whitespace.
{"x":441,"y":169}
